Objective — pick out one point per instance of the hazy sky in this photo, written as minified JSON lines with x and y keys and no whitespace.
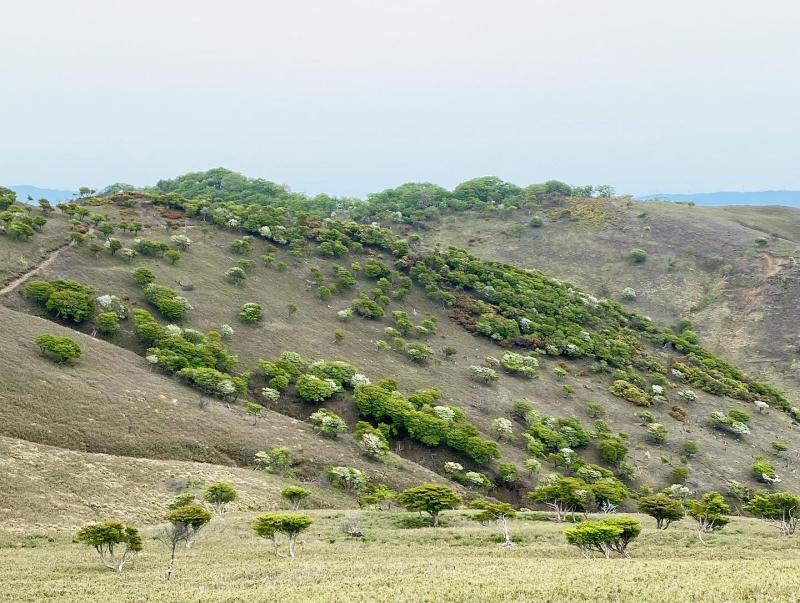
{"x":354,"y":96}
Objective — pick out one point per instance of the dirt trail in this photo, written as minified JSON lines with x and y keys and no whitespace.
{"x":49,"y":258}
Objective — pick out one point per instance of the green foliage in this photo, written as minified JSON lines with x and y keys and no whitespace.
{"x":662,"y":508}
{"x":269,"y":525}
{"x":429,"y":498}
{"x":612,"y":449}
{"x":496,"y":327}
{"x":173,"y":256}
{"x":710,"y":512}
{"x":241,"y":246}
{"x":508,"y":473}
{"x":631,"y":393}
{"x":782,"y":509}
{"x":328,"y":422}
{"x":59,"y":348}
{"x":250,"y":313}
{"x":219,"y":495}
{"x":311,"y":388}
{"x":423,"y":424}
{"x":604,"y":536}
{"x":192,"y":516}
{"x":764,"y":471}
{"x":66,"y":299}
{"x":366,"y":308}
{"x":108,"y":323}
{"x":295,"y":495}
{"x":638,"y":256}
{"x":166,"y":301}
{"x":181,"y":500}
{"x":105,"y":536}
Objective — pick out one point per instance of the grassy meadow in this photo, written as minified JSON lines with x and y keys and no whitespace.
{"x":460,"y":561}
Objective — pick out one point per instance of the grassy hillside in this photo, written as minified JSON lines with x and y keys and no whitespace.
{"x":703,"y":264}
{"x":459,"y":562}
{"x":110,"y":401}
{"x":52,"y":488}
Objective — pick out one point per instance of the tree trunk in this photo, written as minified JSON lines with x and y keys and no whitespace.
{"x":435,"y":519}
{"x":171,"y":565}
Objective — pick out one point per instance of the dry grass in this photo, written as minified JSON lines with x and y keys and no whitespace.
{"x":745,"y":562}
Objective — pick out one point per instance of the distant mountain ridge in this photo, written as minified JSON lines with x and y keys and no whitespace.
{"x":789,"y":198}
{"x":53,"y":195}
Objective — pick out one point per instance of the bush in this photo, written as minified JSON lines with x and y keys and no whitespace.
{"x":366,"y":308}
{"x":235,"y":275}
{"x":656,"y":433}
{"x":483,"y":374}
{"x":347,"y":478}
{"x":169,"y":304}
{"x":595,"y":410}
{"x":631,"y":393}
{"x":143,"y":276}
{"x":60,"y":348}
{"x":764,"y":471}
{"x":508,"y":473}
{"x":313,"y":389}
{"x":612,"y":449}
{"x":726,"y":423}
{"x":638,"y":256}
{"x":329,"y":423}
{"x":250,"y":313}
{"x":108,"y":323}
{"x":679,"y":474}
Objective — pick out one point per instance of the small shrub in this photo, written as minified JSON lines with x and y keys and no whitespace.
{"x":250,"y":313}
{"x":62,"y":349}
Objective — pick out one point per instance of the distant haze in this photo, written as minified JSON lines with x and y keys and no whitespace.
{"x":791,"y":198}
{"x":353,"y":96}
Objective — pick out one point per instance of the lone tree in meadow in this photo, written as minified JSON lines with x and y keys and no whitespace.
{"x":780,"y":509}
{"x":710,"y":512}
{"x":662,"y":508}
{"x":184,"y":524}
{"x":499,"y":513}
{"x":218,"y":495}
{"x":291,"y":525}
{"x":60,"y":349}
{"x":429,"y":498}
{"x":604,"y":536}
{"x":295,"y":495}
{"x":115,"y":543}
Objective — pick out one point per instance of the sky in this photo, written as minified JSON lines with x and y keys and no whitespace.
{"x":353,"y":96}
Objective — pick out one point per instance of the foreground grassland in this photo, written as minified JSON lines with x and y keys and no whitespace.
{"x":747,"y":561}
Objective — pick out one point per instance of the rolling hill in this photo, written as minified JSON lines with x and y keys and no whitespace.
{"x":602,"y":372}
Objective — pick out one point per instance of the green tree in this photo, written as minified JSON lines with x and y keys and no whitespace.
{"x":429,"y":498}
{"x":218,"y":495}
{"x":781,"y":509}
{"x":710,"y":512}
{"x":107,"y":537}
{"x":604,"y":536}
{"x":184,"y":525}
{"x":295,"y":495}
{"x":60,"y":348}
{"x":291,"y":525}
{"x":172,"y":255}
{"x":254,"y":410}
{"x":564,"y":495}
{"x":662,"y":508}
{"x":500,"y":513}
